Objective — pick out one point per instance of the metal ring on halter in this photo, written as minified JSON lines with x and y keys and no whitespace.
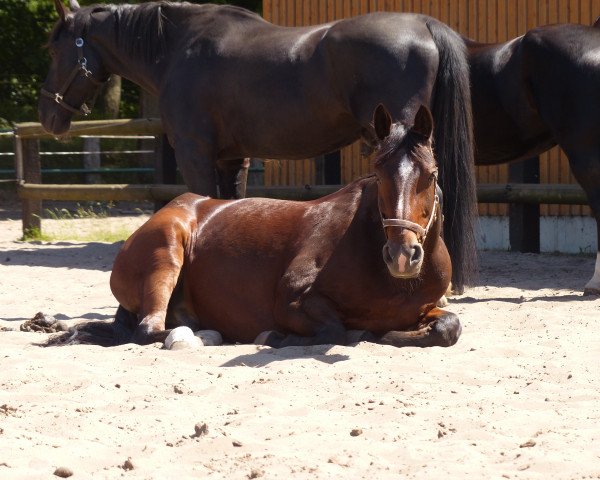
{"x":81,"y":66}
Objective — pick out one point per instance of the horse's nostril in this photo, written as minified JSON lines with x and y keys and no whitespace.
{"x":387,"y":257}
{"x":417,"y":254}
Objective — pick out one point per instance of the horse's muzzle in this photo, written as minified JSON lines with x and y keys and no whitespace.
{"x":54,"y":122}
{"x":404,"y":260}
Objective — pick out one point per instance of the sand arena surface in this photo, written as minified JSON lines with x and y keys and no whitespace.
{"x":517,"y":397}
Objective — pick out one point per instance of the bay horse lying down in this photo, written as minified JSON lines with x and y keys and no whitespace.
{"x":365,"y":263}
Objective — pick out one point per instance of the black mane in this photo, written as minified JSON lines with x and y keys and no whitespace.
{"x":141,"y":29}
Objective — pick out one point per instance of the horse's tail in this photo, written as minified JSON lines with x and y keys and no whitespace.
{"x":105,"y":334}
{"x":454,"y":149}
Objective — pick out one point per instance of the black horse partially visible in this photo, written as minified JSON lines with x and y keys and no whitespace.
{"x":232,"y":85}
{"x":537,"y":91}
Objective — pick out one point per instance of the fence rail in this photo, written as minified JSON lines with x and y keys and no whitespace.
{"x":32,"y":192}
{"x":519,"y":193}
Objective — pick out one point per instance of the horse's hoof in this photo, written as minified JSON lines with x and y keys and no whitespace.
{"x":261,"y":338}
{"x":591,"y":291}
{"x":209,"y":338}
{"x":270,"y":338}
{"x":442,"y":302}
{"x":180,"y":338}
{"x":356,"y":336}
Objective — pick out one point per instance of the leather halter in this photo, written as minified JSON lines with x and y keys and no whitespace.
{"x":81,"y":67}
{"x":415,"y":227}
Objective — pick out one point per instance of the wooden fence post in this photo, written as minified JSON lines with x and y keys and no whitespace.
{"x":524,"y":219}
{"x":29,"y":170}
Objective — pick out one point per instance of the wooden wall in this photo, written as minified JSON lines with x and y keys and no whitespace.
{"x":482,"y":20}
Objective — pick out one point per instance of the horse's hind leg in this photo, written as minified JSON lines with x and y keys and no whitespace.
{"x":233,"y":176}
{"x":439,"y":328}
{"x":586,"y":169}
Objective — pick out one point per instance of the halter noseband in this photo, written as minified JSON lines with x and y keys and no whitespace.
{"x":415,"y":227}
{"x":81,"y":66}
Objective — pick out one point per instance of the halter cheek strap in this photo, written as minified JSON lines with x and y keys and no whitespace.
{"x":415,"y":227}
{"x":81,"y":67}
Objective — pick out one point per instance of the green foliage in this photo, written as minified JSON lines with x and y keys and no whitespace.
{"x":24,"y":28}
{"x":23,"y":32}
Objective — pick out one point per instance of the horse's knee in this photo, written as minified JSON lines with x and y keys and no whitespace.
{"x":446,"y":330}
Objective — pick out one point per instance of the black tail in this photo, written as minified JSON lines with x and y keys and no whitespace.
{"x":454,"y":149}
{"x":105,"y":334}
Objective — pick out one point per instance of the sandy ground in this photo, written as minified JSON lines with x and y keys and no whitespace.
{"x":517,"y":397}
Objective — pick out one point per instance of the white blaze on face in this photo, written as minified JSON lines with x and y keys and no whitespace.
{"x":407,"y":174}
{"x":594,"y":283}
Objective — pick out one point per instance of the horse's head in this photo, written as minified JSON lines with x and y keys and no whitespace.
{"x":406,"y":189}
{"x":76,"y":73}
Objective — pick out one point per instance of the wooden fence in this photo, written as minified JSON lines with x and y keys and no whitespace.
{"x":32,"y":192}
{"x":481,"y":20}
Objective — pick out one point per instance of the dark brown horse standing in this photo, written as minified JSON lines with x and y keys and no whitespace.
{"x":368,"y":257}
{"x":232,"y":85}
{"x":537,"y":91}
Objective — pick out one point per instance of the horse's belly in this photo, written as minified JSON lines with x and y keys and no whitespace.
{"x":298,"y":136}
{"x":231,"y":295}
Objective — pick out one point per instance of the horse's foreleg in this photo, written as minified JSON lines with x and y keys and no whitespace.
{"x":233,"y":177}
{"x":439,"y":328}
{"x":329,"y":333}
{"x":306,"y":319}
{"x":196,"y":161}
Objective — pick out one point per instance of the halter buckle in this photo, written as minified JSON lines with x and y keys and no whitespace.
{"x":58,"y":98}
{"x":79,"y":42}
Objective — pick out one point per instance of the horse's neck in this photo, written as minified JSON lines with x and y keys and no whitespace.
{"x":149,"y":25}
{"x":367,"y":218}
{"x":119,"y":58}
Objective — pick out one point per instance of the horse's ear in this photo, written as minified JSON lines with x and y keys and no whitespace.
{"x":382,"y":121}
{"x":596,"y":23}
{"x":74,"y":5}
{"x":61,"y":9}
{"x":423,"y":125}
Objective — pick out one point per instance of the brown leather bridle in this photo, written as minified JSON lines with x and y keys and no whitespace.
{"x":81,"y":67}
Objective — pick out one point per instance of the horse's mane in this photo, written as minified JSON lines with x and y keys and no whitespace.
{"x":400,"y":137}
{"x":142,"y":28}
